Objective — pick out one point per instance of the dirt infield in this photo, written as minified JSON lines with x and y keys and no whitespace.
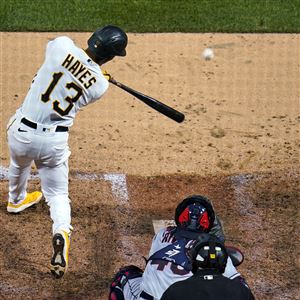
{"x":130,"y":165}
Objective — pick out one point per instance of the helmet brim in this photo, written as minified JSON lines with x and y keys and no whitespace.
{"x":123,"y":53}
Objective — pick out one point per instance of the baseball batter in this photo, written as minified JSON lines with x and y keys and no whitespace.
{"x":69,"y":79}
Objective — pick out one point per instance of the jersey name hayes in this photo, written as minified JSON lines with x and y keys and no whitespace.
{"x":79,"y":71}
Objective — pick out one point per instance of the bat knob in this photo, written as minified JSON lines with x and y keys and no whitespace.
{"x":113,"y":81}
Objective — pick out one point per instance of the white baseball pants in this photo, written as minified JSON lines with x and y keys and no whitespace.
{"x":49,"y":151}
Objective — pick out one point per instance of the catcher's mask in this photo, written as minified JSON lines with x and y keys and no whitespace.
{"x":195,"y":213}
{"x":107,"y":42}
{"x":209,"y":253}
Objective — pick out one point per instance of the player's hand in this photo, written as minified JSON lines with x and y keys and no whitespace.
{"x":106,"y":75}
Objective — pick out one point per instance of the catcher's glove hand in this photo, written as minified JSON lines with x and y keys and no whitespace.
{"x":106,"y":75}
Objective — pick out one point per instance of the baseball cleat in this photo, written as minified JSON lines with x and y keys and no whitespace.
{"x":30,"y":199}
{"x":60,"y":258}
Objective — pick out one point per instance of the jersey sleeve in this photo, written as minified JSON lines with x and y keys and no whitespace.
{"x":103,"y":86}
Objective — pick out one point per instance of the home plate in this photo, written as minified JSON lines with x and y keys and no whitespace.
{"x":159,"y":224}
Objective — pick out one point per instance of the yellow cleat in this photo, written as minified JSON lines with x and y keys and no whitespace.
{"x":60,"y":258}
{"x":30,"y":199}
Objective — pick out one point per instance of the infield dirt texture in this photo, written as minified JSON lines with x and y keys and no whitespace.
{"x":130,"y":165}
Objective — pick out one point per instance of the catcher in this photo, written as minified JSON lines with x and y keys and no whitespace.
{"x":167,"y":261}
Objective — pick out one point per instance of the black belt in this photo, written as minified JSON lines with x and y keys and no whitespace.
{"x":146,"y":296}
{"x":34,"y":126}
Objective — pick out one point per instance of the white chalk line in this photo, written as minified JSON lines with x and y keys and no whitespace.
{"x":118,"y":181}
{"x":118,"y":185}
{"x":251,"y":221}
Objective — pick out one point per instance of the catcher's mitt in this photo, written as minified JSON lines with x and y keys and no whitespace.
{"x":235,"y":254}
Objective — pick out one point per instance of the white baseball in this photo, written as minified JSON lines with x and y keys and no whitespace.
{"x":208,"y":54}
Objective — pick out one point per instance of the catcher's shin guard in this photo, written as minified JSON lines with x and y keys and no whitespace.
{"x":116,"y":294}
{"x":121,"y":278}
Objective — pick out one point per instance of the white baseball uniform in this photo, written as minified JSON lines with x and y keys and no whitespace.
{"x":67,"y":80}
{"x":167,"y":264}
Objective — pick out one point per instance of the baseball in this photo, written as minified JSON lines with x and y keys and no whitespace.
{"x":208,"y":54}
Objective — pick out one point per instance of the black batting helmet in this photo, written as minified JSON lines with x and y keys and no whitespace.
{"x":208,"y":253}
{"x":107,"y":42}
{"x":195,"y":213}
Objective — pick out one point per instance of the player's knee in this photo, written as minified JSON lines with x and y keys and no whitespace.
{"x":131,"y":272}
{"x":116,"y":294}
{"x":121,"y":278}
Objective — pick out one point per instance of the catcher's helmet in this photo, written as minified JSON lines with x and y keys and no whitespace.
{"x":208,"y":253}
{"x":107,"y":42}
{"x":195,"y":213}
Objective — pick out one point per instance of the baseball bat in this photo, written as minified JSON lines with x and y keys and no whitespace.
{"x":153,"y":103}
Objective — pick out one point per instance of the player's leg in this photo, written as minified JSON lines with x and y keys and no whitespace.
{"x":21,"y":157}
{"x":54,"y":181}
{"x":18,"y":174}
{"x":55,"y":189}
{"x":126,"y":284}
{"x":52,"y":165}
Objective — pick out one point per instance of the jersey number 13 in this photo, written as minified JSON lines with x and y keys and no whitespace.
{"x":56,"y":104}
